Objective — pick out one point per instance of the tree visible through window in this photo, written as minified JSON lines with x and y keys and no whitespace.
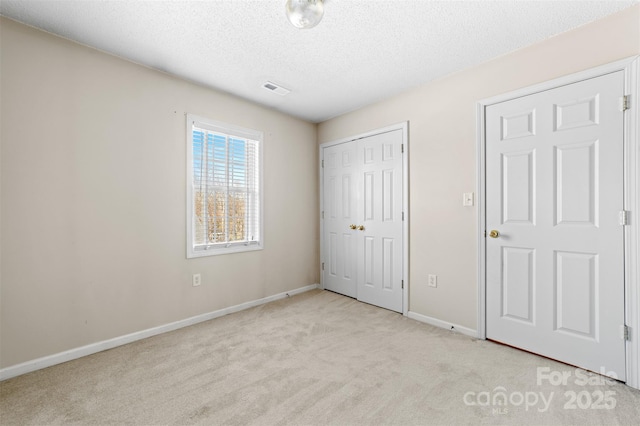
{"x":224,"y":188}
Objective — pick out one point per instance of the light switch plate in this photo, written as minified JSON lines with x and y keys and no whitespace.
{"x":467,"y":199}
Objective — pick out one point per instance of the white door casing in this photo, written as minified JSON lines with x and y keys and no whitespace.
{"x":364,"y":186}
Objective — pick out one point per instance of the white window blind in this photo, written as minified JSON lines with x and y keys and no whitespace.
{"x":225,"y":188}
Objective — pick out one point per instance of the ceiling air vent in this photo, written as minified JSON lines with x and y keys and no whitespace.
{"x":272,"y":87}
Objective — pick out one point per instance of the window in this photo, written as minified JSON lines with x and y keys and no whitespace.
{"x":224,"y":204}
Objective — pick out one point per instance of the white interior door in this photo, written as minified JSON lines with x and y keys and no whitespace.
{"x":363,"y":219}
{"x":379,"y":238}
{"x":554,"y":191}
{"x":339,"y":200}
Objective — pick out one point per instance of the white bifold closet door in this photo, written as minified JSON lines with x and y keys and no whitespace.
{"x":554,"y":192}
{"x":362,"y":232}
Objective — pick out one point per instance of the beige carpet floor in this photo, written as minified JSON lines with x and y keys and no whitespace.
{"x":314,"y":359}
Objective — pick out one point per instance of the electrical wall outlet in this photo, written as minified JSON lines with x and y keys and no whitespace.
{"x":433,"y":280}
{"x":196,"y":280}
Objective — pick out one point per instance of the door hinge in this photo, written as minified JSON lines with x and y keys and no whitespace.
{"x":624,"y":103}
{"x":323,"y":266}
{"x":624,"y":332}
{"x":402,"y":284}
{"x":623,"y":217}
{"x":322,"y":214}
{"x":403,"y":216}
{"x":323,"y":164}
{"x":402,"y":148}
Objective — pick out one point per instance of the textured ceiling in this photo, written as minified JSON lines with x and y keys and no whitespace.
{"x":361,"y":52}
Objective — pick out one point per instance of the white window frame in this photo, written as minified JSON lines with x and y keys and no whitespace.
{"x":234,"y":131}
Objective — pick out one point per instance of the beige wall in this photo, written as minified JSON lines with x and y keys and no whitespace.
{"x":93,"y":199}
{"x":442,"y":138}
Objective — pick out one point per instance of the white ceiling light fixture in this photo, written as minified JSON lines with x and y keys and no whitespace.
{"x":304,"y":13}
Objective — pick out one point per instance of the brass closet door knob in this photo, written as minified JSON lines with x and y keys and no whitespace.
{"x":361,"y":227}
{"x":352,"y":226}
{"x":494,"y":234}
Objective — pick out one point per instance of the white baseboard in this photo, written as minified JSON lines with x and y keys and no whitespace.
{"x":48,"y":361}
{"x":443,"y":324}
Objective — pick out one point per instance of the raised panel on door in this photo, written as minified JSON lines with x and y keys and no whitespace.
{"x":518,"y":187}
{"x":576,"y":287}
{"x":577,"y":183}
{"x":518,"y":284}
{"x":554,"y":188}
{"x":380,"y":212}
{"x":339,"y":201}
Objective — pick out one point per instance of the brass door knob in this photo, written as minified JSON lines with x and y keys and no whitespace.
{"x":494,"y":234}
{"x":361,"y":227}
{"x":352,"y":226}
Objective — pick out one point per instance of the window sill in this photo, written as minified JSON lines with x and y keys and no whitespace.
{"x":215,"y":251}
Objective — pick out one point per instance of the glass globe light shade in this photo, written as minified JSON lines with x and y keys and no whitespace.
{"x":304,"y":13}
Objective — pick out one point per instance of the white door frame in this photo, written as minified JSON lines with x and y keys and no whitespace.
{"x":630,"y":66}
{"x":404,"y":126}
